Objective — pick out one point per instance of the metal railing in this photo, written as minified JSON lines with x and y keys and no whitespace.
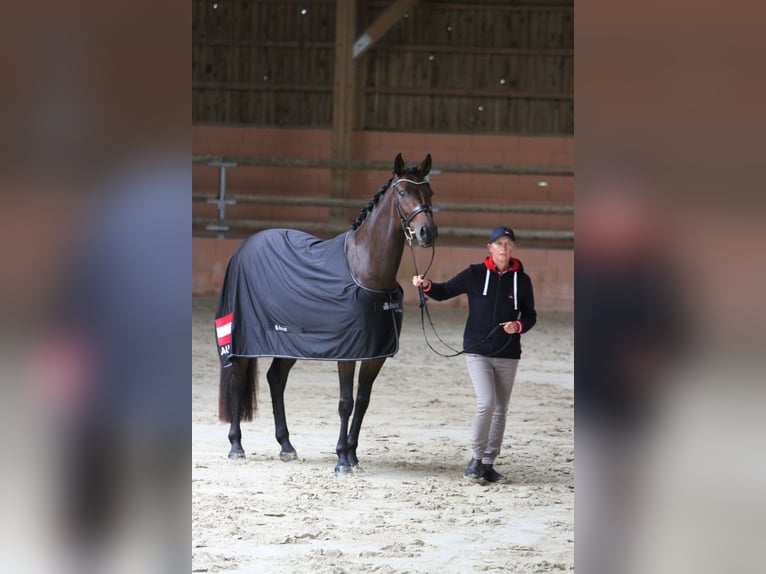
{"x":222,"y":224}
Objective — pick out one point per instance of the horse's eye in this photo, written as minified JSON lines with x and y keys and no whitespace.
{"x":402,"y":192}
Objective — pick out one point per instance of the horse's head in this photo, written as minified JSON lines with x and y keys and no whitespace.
{"x":412,"y":199}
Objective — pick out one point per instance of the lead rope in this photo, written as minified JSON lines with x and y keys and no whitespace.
{"x":425,"y":313}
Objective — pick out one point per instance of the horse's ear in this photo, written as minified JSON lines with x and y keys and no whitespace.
{"x":425,"y":167}
{"x":399,"y":165}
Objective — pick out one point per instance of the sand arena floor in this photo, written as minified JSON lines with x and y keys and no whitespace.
{"x":411,"y":510}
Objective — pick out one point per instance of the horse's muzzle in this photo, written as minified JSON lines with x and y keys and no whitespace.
{"x":427,"y":235}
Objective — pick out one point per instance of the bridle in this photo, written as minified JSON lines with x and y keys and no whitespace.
{"x":421,"y":207}
{"x":409,"y":234}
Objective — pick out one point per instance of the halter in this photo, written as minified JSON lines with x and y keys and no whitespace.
{"x":409,"y":233}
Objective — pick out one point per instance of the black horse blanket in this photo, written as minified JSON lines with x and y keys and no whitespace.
{"x":289,"y":294}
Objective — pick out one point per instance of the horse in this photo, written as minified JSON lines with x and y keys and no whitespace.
{"x":304,"y":327}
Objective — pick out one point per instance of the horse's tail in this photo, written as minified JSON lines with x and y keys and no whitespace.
{"x":240,"y":377}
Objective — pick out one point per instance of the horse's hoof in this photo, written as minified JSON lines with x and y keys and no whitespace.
{"x":286,"y":456}
{"x":358,"y":468}
{"x":236,"y":454}
{"x":343,"y":469}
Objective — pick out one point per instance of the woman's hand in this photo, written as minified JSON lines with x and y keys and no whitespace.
{"x":511,"y":327}
{"x":419,"y":281}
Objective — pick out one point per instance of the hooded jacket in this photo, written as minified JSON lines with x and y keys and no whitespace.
{"x":494,"y":297}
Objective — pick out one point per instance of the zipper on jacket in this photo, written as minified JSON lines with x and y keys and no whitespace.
{"x":493,"y":319}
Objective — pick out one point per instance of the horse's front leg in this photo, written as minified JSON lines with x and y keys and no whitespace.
{"x":277,"y":377}
{"x":367,"y":375}
{"x":346,"y":371}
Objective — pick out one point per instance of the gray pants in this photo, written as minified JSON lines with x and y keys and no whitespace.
{"x":492,"y":379}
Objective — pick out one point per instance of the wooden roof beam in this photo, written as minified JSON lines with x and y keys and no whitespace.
{"x":380,"y":26}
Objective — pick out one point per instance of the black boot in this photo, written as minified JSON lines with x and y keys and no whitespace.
{"x":490,"y":474}
{"x":473,"y":470}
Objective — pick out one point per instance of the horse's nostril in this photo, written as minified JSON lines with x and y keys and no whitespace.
{"x":427,"y":235}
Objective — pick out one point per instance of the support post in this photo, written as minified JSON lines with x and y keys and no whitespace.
{"x":221,"y":202}
{"x":343,"y":101}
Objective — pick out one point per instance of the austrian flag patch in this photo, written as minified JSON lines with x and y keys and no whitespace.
{"x":223,"y":329}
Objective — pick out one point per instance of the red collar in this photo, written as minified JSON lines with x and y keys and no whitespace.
{"x":490,"y":264}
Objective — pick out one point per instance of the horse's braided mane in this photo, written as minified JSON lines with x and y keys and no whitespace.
{"x":376,"y":198}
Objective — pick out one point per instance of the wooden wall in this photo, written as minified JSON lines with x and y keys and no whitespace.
{"x":447,"y":67}
{"x":471,"y":189}
{"x":552,"y":269}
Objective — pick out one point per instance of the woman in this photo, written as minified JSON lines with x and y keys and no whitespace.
{"x":501,"y":306}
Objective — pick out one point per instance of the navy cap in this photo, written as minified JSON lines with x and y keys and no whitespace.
{"x":498,"y":232}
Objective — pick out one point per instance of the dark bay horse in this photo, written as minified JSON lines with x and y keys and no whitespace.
{"x":399,"y":212}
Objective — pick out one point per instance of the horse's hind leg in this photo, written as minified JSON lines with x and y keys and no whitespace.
{"x":277,"y":377}
{"x":236,"y":399}
{"x":367,"y":375}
